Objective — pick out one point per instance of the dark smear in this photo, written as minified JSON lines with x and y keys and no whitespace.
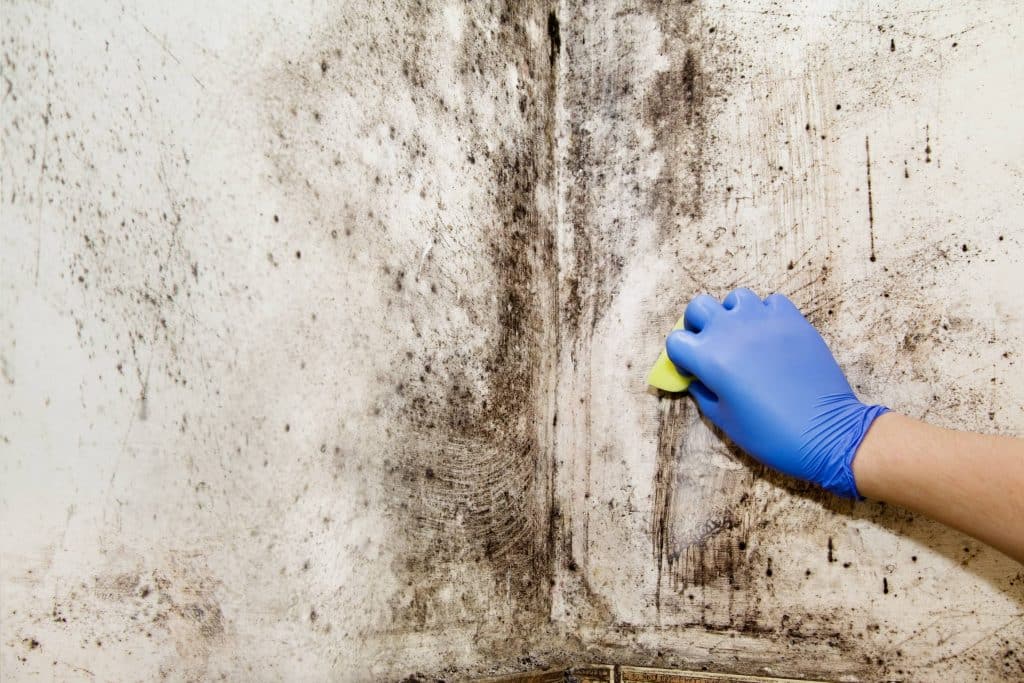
{"x":927,"y":144}
{"x":462,"y":449}
{"x":676,"y":98}
{"x":871,"y":201}
{"x":831,"y":558}
{"x":713,"y":555}
{"x":670,"y":426}
{"x":554,"y":37}
{"x":471,"y":485}
{"x":690,"y":84}
{"x":674,"y":109}
{"x":885,"y":586}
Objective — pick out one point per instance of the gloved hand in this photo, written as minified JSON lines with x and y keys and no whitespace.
{"x":766,"y":378}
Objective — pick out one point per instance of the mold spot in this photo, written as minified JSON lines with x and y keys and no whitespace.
{"x":554,"y":37}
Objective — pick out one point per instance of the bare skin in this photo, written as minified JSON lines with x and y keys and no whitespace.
{"x":971,"y":482}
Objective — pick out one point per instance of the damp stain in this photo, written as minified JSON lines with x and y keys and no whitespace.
{"x":669,"y":428}
{"x":676,"y":109}
{"x":466,"y":465}
{"x":178,"y":602}
{"x":473,"y":420}
{"x":702,"y":542}
{"x":460,"y":409}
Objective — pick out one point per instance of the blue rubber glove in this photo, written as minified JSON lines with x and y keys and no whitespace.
{"x":767,"y":379}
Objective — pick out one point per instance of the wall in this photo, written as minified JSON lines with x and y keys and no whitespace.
{"x":323,"y":334}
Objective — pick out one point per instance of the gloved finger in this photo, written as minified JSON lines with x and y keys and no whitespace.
{"x":686,"y":350}
{"x":706,"y":400}
{"x":700,"y":311}
{"x":781,"y":302}
{"x":740,"y":297}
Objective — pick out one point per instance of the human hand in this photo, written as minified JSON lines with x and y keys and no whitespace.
{"x":767,"y":379}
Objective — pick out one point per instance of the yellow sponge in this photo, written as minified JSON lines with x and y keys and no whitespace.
{"x":664,"y":375}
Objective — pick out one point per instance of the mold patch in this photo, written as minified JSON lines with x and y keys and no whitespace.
{"x":435,"y":199}
{"x":700,"y":525}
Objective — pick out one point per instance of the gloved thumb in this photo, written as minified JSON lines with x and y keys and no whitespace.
{"x":706,"y":400}
{"x":684,"y":350}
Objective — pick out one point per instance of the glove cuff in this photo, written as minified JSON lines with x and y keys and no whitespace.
{"x":845,"y":485}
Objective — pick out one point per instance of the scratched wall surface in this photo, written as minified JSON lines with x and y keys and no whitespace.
{"x":863,"y":162}
{"x":323,"y":333}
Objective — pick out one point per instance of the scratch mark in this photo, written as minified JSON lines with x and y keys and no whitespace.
{"x":670,"y":427}
{"x":42,"y":162}
{"x":161,"y":43}
{"x":143,"y":379}
{"x":976,"y":643}
{"x":141,"y":413}
{"x":79,"y":669}
{"x":871,"y":200}
{"x":67,"y":523}
{"x":163,"y":46}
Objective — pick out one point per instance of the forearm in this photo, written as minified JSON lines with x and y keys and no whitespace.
{"x":972,"y":482}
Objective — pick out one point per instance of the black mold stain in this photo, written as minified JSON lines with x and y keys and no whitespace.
{"x":461,"y":412}
{"x":674,"y":109}
{"x":554,"y":37}
{"x":468,"y":476}
{"x":670,"y":424}
{"x":715,"y":557}
{"x":475,"y":413}
{"x":179,"y":600}
{"x":871,"y":200}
